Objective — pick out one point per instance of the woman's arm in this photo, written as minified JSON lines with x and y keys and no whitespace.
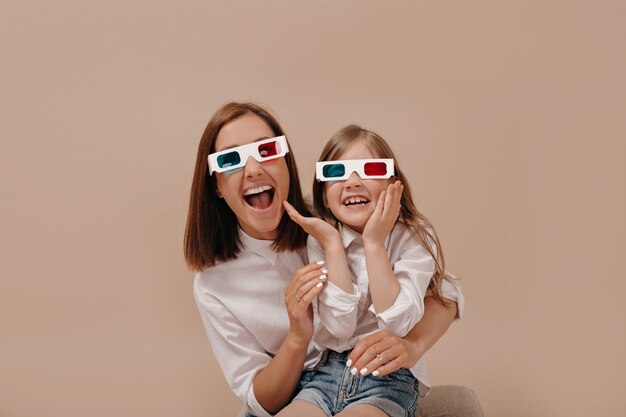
{"x":273,"y":385}
{"x":397,"y":352}
{"x":261,"y":382}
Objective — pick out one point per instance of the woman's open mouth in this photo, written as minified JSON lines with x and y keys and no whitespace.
{"x":259,"y":198}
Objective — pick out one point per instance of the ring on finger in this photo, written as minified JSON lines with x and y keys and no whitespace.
{"x":382,"y":362}
{"x":295,"y":295}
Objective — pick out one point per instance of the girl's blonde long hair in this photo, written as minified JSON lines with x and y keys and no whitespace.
{"x":419,"y":226}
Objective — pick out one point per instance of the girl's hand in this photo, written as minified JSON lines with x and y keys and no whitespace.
{"x":385,"y":214}
{"x":323,"y":232}
{"x":301,"y":291}
{"x":382,"y":353}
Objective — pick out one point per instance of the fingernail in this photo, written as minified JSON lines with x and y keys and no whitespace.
{"x":353,"y":371}
{"x":375,"y":373}
{"x":319,"y":285}
{"x":320,"y":262}
{"x":323,"y":277}
{"x":349,"y":363}
{"x":363,"y":371}
{"x":324,"y":271}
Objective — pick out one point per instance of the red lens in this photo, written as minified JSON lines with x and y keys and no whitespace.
{"x":268,"y":149}
{"x":375,"y":168}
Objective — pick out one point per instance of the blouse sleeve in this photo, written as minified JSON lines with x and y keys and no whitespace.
{"x":237,"y":351}
{"x":452,"y":290}
{"x":414,"y":268}
{"x":337,"y":310}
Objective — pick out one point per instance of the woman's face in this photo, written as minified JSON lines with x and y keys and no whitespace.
{"x":255,"y":192}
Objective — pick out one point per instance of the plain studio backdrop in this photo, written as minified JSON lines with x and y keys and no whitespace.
{"x":509,"y":118}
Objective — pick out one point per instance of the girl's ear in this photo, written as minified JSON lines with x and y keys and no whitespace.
{"x":217,"y":191}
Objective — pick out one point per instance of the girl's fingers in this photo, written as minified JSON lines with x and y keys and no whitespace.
{"x":391,"y":194}
{"x":293,"y":213}
{"x":380,"y":204}
{"x":400,"y":189}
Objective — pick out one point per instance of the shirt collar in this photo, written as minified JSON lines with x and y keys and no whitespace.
{"x":262,"y":248}
{"x":348,"y":235}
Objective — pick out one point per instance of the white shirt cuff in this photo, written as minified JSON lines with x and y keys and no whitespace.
{"x":452,"y":290}
{"x":254,"y":407}
{"x":339,"y":301}
{"x":400,"y":317}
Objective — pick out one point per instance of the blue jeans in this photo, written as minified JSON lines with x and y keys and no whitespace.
{"x":331,"y":387}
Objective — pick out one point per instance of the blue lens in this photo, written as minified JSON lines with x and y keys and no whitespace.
{"x":334,"y":170}
{"x":228,"y":160}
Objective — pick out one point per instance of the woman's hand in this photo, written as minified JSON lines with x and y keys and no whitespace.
{"x":301,"y":291}
{"x":385,"y":214}
{"x":382,"y":353}
{"x":323,"y":232}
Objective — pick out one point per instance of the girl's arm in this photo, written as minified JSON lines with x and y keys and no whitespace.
{"x":338,"y":304}
{"x":331,"y":243}
{"x":383,"y":284}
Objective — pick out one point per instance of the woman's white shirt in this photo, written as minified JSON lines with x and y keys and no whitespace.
{"x":241,"y":303}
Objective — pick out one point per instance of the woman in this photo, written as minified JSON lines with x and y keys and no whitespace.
{"x":254,"y":287}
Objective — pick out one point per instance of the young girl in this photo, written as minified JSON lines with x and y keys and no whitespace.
{"x":382,"y":258}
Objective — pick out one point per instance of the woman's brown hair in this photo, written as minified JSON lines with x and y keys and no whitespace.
{"x":211,"y":233}
{"x":419,"y":226}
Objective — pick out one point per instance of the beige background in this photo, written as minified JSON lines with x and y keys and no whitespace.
{"x":508,"y":116}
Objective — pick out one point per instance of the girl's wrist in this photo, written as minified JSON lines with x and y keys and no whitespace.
{"x":333,"y":242}
{"x":373,"y":243}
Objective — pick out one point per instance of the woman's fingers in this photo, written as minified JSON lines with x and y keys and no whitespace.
{"x":305,"y":277}
{"x":382,"y":352}
{"x":386,"y":369}
{"x":310,"y":291}
{"x":386,"y":362}
{"x":366,"y":349}
{"x":301,"y":292}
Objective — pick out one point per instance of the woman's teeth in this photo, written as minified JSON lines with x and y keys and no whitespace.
{"x":259,"y":197}
{"x":257,"y":190}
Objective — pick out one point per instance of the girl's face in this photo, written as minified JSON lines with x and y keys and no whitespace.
{"x":353,"y":201}
{"x":255,"y":192}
